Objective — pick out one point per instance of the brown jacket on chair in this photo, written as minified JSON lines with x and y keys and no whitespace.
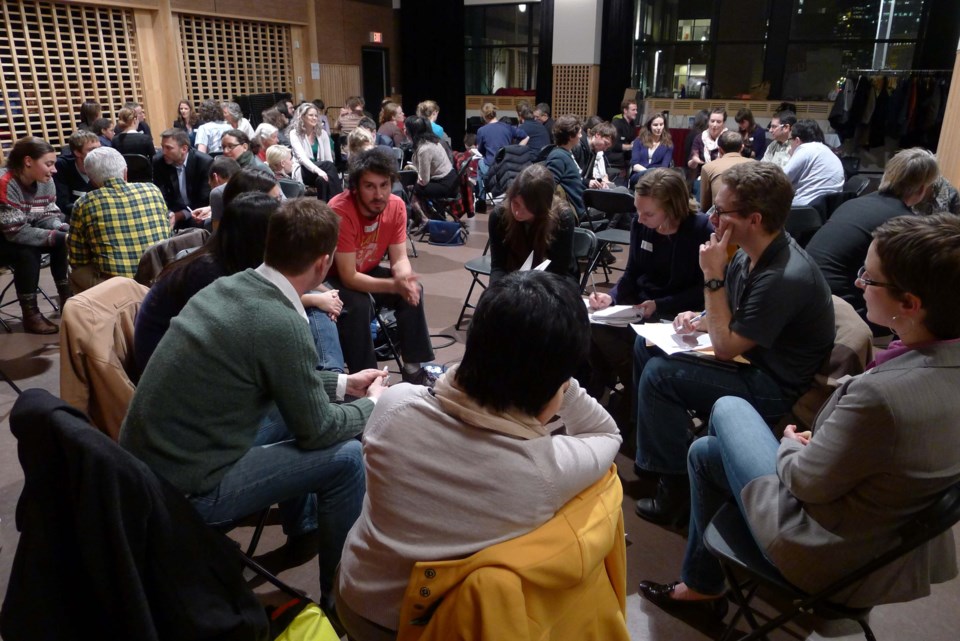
{"x":96,"y":351}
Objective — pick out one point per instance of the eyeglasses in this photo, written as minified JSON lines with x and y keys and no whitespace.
{"x":864,"y":282}
{"x":772,"y":127}
{"x":229,"y":147}
{"x":721,"y":212}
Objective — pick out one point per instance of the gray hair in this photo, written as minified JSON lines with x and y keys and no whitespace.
{"x":104,"y":163}
{"x":234,"y":110}
{"x":909,"y":172}
{"x":264,"y":130}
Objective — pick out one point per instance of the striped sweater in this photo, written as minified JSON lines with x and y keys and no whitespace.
{"x":31,"y":216}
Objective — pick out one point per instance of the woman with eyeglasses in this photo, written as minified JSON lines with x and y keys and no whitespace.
{"x":840,"y":246}
{"x":236,"y":145}
{"x":883,"y":448}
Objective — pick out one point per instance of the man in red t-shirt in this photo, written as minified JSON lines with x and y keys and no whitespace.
{"x":373,"y":222}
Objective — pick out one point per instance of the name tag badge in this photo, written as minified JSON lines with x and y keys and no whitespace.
{"x":646,"y":245}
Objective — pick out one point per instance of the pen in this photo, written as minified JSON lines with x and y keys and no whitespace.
{"x":594,"y":284}
{"x":699,"y":316}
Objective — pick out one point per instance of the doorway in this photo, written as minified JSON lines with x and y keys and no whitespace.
{"x":375,"y":67}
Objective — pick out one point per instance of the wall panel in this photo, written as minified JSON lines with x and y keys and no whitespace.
{"x":575,"y":89}
{"x":55,"y":55}
{"x":337,"y":82}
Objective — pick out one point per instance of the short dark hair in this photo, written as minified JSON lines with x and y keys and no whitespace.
{"x":240,"y":136}
{"x":921,"y":255}
{"x":543,"y":108}
{"x":805,"y":130}
{"x":761,"y":187}
{"x":719,"y":110}
{"x":179,"y":135}
{"x":604,"y":130}
{"x":81,"y":137}
{"x":626,"y":103}
{"x":565,"y":129}
{"x":745,"y":114}
{"x":730,"y":142}
{"x":249,"y":179}
{"x":101,"y":124}
{"x":373,"y":160}
{"x":786,"y":118}
{"x":224,"y":166}
{"x":301,"y":231}
{"x":525,"y":112}
{"x":529,"y":334}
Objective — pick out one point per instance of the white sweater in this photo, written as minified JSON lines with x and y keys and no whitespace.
{"x":441,"y":488}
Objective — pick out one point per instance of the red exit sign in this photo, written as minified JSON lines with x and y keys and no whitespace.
{"x":376,"y":36}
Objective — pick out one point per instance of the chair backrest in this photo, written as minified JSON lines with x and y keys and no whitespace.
{"x":608,"y":201}
{"x":584,"y":247}
{"x":139,"y":168}
{"x":291,"y":188}
{"x":398,"y":154}
{"x":802,"y":223}
{"x":856,"y":184}
{"x":407,"y":178}
{"x":156,"y":257}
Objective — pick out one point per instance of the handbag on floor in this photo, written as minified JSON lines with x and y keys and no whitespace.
{"x":445,"y":232}
{"x":301,"y":620}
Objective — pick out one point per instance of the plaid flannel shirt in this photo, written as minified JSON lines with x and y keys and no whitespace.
{"x":112,"y":226}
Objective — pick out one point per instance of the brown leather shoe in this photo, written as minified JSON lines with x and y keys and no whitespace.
{"x":33,"y":321}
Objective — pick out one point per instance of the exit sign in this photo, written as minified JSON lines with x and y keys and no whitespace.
{"x":376,"y":36}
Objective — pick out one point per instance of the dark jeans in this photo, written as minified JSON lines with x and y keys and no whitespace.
{"x":25,"y":261}
{"x":667,"y":387}
{"x":354,"y":325}
{"x":326,"y":189}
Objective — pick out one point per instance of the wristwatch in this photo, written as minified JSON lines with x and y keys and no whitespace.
{"x":714,"y":284}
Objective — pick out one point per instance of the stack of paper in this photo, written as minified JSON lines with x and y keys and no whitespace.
{"x":664,"y":336}
{"x":616,"y":315}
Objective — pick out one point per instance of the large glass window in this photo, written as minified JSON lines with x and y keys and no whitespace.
{"x":501,"y":47}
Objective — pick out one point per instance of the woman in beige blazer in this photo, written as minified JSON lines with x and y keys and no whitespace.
{"x":883,"y":447}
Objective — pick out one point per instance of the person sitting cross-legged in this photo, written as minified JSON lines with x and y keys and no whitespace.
{"x":373,"y":222}
{"x":770,"y":305}
{"x":820,"y":504}
{"x":114,"y":224}
{"x":245,"y":343}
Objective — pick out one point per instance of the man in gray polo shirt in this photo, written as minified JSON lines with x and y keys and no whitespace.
{"x":770,"y":305}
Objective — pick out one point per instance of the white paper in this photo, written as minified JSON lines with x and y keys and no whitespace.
{"x":666,"y":338}
{"x":527,"y":264}
{"x":542,"y":266}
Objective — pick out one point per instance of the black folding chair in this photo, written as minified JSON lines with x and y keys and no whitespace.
{"x":802,"y":223}
{"x":139,"y":168}
{"x":728,"y":538}
{"x":479,"y":266}
{"x":584,"y":249}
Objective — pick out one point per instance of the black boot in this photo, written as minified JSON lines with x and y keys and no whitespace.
{"x":671,"y":505}
{"x":64,"y":291}
{"x":33,"y":321}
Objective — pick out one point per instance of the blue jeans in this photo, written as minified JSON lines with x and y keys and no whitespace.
{"x":667,"y":387}
{"x":482,"y":170}
{"x":738,"y":448}
{"x":276,"y":471}
{"x":327,"y":340}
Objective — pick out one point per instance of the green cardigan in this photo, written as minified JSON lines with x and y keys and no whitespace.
{"x":236,"y":349}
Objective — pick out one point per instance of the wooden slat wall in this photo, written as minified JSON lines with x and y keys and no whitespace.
{"x":760,"y":108}
{"x":575,"y":89}
{"x":338,"y":82}
{"x":948,"y":149}
{"x":223,"y":58}
{"x":53,"y":56}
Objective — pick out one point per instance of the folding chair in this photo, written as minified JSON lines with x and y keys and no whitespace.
{"x":728,"y":538}
{"x":613,"y":204}
{"x":139,"y":168}
{"x":479,"y":266}
{"x":3,"y":294}
{"x":584,"y":248}
{"x":856,"y":185}
{"x":802,"y":223}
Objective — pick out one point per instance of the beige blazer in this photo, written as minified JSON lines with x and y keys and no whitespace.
{"x":710,"y":176}
{"x":884,"y":446}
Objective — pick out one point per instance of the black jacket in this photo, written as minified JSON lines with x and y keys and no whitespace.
{"x":70,"y":184}
{"x":198,"y":186}
{"x":109,"y":550}
{"x":515,"y":159}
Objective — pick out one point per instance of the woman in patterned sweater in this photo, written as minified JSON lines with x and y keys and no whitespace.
{"x":32,"y":225}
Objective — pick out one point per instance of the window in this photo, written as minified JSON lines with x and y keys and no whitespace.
{"x":501,"y":48}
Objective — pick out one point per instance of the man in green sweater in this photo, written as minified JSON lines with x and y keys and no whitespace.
{"x":246,"y":340}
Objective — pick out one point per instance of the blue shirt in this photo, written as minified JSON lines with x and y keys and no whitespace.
{"x":494,"y":136}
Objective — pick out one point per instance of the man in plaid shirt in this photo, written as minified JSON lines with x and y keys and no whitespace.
{"x":114,"y":224}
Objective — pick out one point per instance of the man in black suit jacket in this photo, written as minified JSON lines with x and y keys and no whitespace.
{"x":193,"y":191}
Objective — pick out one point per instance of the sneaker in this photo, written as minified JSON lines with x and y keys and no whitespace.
{"x":426,"y":376}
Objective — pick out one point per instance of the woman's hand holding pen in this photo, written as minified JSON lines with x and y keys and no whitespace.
{"x":599,"y":301}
